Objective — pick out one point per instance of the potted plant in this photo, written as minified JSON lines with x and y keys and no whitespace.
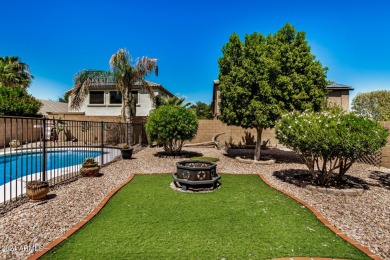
{"x":37,"y":190}
{"x":90,"y":167}
{"x":126,"y":151}
{"x":14,"y":143}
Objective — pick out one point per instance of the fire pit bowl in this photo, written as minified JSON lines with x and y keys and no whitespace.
{"x":193,"y":173}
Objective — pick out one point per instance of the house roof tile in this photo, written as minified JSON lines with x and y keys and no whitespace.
{"x":52,"y":106}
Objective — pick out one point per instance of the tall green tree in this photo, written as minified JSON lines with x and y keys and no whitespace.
{"x":202,"y":110}
{"x":265,"y":77}
{"x":375,"y":104}
{"x":14,"y":72}
{"x":125,"y":75}
{"x":64,"y":99}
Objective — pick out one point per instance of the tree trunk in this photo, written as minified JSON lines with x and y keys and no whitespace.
{"x":126,"y":115}
{"x":258,"y":144}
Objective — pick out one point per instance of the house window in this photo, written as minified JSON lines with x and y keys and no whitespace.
{"x":96,"y":97}
{"x":115,"y":97}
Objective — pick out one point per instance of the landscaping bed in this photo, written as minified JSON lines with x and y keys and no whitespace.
{"x":363,"y":218}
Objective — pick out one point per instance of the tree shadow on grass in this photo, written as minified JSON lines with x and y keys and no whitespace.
{"x":302,"y":178}
{"x":280,"y":156}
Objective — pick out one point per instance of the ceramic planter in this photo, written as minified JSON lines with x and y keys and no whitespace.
{"x":37,"y":190}
{"x":127,"y":153}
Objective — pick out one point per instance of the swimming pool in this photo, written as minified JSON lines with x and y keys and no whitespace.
{"x":14,"y":166}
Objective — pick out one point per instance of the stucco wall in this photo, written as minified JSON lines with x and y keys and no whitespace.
{"x":340,"y":98}
{"x":22,"y":129}
{"x":386,"y":150}
{"x":94,"y":133}
{"x":233,"y":134}
{"x":142,"y":108}
{"x":236,"y":135}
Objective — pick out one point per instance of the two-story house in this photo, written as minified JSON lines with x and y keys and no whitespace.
{"x":104,"y":100}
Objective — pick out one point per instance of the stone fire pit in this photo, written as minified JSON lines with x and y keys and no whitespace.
{"x":196,"y":174}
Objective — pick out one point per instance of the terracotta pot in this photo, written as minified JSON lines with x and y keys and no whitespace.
{"x":37,"y":190}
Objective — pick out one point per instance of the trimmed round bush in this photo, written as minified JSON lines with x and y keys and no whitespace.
{"x":171,"y":126}
{"x":330,"y":142}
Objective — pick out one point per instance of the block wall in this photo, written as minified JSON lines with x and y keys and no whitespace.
{"x":386,"y":150}
{"x":233,"y":134}
{"x":22,"y":129}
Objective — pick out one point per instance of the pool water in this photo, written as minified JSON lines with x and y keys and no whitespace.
{"x":18,"y":165}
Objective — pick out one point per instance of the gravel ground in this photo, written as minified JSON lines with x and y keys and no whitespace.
{"x":364,"y":218}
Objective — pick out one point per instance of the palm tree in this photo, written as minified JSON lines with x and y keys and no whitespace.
{"x":125,"y":75}
{"x":13,"y":72}
{"x":174,"y":101}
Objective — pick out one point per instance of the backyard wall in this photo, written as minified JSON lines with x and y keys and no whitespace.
{"x":23,"y":129}
{"x":386,"y":150}
{"x":138,"y":137}
{"x":233,"y":134}
{"x":82,"y":117}
{"x":238,"y":135}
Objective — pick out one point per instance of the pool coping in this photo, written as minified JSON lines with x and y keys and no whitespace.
{"x":318,"y":214}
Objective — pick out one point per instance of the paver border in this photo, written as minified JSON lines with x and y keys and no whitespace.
{"x":76,"y":227}
{"x":326,"y":223}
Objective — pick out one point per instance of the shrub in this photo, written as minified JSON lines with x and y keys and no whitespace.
{"x":15,"y":101}
{"x":330,"y":142}
{"x":171,"y":127}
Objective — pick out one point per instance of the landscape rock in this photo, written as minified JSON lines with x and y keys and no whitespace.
{"x":365,"y":218}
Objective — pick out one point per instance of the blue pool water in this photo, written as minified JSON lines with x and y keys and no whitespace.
{"x":17,"y":165}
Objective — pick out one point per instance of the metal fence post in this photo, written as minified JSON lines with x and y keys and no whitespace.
{"x":43,"y":177}
{"x":102,"y":137}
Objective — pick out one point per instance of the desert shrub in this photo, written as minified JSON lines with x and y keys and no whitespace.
{"x":330,"y":142}
{"x":171,"y":126}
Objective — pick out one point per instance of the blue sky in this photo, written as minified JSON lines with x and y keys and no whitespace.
{"x":59,"y":38}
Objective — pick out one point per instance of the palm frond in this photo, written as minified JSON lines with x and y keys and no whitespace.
{"x":14,"y":72}
{"x":122,"y":73}
{"x":175,"y":102}
{"x":144,"y":66}
{"x":83,"y":80}
{"x":122,"y":70}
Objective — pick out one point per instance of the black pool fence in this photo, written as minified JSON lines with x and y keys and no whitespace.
{"x":53,"y":149}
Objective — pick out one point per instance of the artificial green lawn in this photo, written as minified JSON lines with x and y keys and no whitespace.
{"x":201,"y":158}
{"x":244,"y":219}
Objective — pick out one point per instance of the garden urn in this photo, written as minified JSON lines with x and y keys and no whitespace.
{"x":37,"y":190}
